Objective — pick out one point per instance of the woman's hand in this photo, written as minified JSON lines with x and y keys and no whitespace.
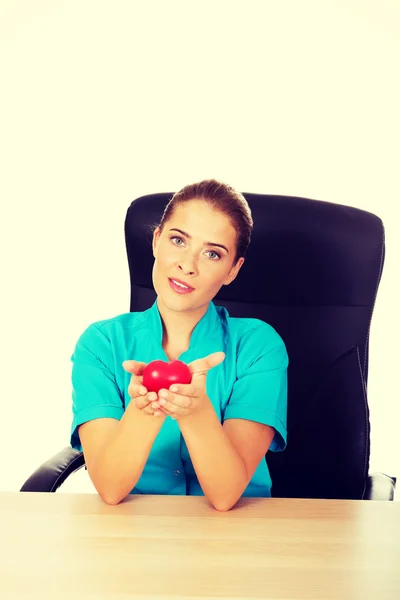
{"x":137,"y":391}
{"x":181,"y":399}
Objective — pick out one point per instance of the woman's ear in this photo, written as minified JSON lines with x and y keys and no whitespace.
{"x":156,"y":237}
{"x":234,"y":271}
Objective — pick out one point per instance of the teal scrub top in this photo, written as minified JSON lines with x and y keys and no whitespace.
{"x":251,"y":383}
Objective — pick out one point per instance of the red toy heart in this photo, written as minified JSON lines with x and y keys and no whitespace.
{"x":159,"y":374}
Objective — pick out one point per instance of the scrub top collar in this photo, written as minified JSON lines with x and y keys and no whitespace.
{"x":206,"y":329}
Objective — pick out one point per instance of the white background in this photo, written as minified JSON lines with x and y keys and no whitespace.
{"x":103,"y":101}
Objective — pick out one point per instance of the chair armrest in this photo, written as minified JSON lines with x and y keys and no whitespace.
{"x":379,"y":487}
{"x":52,"y":473}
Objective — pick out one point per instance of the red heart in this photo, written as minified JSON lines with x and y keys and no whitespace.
{"x":159,"y":374}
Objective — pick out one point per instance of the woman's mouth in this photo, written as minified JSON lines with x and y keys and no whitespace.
{"x":179,"y":288}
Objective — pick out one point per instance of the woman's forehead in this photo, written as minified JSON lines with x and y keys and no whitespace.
{"x":198,"y":210}
{"x":197,"y":218}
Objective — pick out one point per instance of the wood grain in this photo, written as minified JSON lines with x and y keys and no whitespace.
{"x":176,"y":547}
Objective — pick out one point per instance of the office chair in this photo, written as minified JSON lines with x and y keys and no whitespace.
{"x":312,"y":271}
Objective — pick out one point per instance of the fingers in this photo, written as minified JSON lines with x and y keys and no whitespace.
{"x":142,"y":399}
{"x":134,"y":366}
{"x":154,"y":410}
{"x":175,"y":404}
{"x":202,"y":365}
{"x":148,"y":403}
{"x":141,"y":402}
{"x":183,"y":389}
{"x":148,"y":410}
{"x":136,"y":389}
{"x":138,"y":393}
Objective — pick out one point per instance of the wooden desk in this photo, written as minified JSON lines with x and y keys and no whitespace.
{"x":74,"y":546}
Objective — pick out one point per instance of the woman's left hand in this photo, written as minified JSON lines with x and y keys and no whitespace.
{"x":181,"y":399}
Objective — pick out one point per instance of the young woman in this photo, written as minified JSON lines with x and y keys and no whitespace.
{"x":208,"y":437}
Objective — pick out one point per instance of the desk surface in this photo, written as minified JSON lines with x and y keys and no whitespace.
{"x":75,"y":546}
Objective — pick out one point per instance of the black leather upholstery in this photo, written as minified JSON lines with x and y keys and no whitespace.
{"x":379,"y":487}
{"x":54,"y":471}
{"x":312,"y":271}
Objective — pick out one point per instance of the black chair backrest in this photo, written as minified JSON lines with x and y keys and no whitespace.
{"x":312,"y":271}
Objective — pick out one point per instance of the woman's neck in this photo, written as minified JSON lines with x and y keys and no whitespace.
{"x":178,"y":326}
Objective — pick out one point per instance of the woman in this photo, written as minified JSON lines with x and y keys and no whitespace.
{"x":208,"y":437}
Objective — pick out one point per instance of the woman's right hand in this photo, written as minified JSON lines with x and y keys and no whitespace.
{"x":143,"y":399}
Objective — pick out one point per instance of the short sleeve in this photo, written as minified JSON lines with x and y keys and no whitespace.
{"x":95,"y":393}
{"x":260,"y":390}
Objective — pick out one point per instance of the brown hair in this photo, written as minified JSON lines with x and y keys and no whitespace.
{"x":222,"y":197}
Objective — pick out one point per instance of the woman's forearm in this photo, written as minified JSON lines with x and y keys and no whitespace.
{"x":120,"y":463}
{"x":219,"y":468}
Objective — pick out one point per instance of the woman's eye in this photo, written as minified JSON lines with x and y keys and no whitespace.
{"x":216,"y":255}
{"x":175,"y":239}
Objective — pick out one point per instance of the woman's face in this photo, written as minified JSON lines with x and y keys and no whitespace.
{"x":189,"y":255}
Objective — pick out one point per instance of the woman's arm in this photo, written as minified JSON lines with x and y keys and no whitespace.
{"x":116,"y":453}
{"x":224,"y":456}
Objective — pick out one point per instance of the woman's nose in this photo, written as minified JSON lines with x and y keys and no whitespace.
{"x":188,"y":270}
{"x":188,"y":266}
